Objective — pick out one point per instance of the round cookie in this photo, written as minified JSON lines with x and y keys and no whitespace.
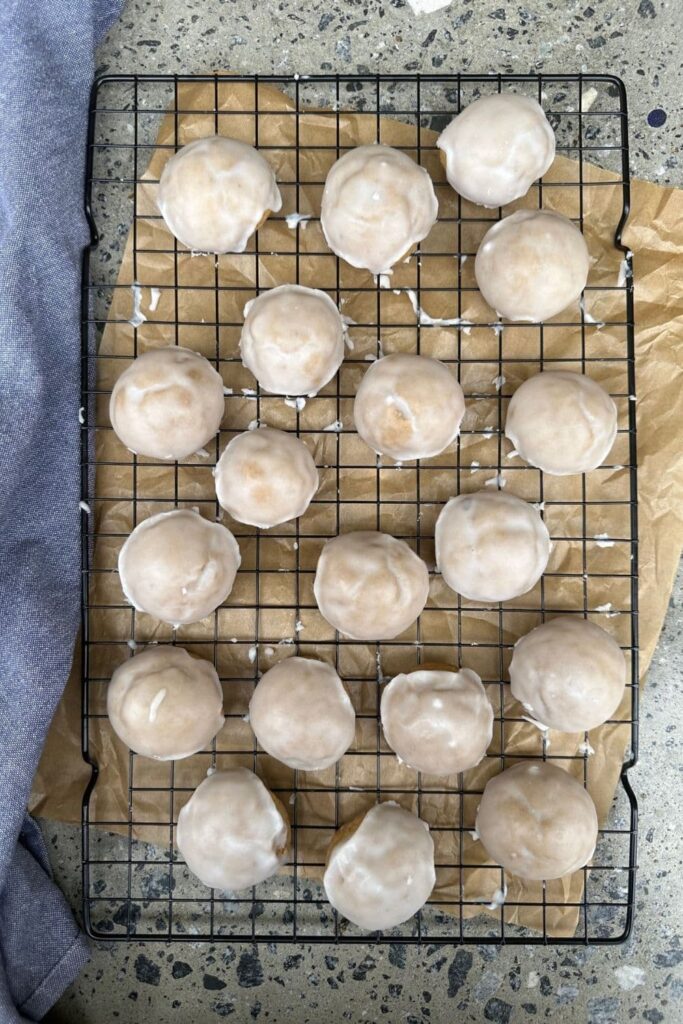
{"x":369,"y":585}
{"x":537,"y":821}
{"x":265,"y":477}
{"x":302,"y":715}
{"x":408,"y":407}
{"x":167,"y":404}
{"x":496,"y":148}
{"x":491,"y":546}
{"x":377,"y":204}
{"x":531,"y":265}
{"x":165,"y":704}
{"x":380,"y":867}
{"x":569,"y":674}
{"x":562,"y":422}
{"x":215,"y":192}
{"x":292,"y":339}
{"x":178,"y":566}
{"x":436,"y":719}
{"x":233,"y":832}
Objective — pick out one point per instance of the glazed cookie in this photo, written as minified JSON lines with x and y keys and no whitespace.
{"x":163,"y":703}
{"x":377,"y":204}
{"x":532,"y":265}
{"x":233,"y":833}
{"x":369,"y":585}
{"x":380,"y":868}
{"x":167,"y":404}
{"x":215,"y":192}
{"x":537,"y":821}
{"x":178,"y":566}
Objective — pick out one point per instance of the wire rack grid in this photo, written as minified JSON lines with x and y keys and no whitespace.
{"x":134,"y":882}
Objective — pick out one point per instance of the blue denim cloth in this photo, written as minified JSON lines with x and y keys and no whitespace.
{"x":46,"y":69}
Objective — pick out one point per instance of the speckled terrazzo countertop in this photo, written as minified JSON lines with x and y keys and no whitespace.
{"x":641,"y":980}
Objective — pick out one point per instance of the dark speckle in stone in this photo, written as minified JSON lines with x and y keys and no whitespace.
{"x":498,"y":1011}
{"x":646,"y":9}
{"x":395,"y":991}
{"x":331,"y":962}
{"x":180,"y":969}
{"x":397,"y":955}
{"x":654,"y":1016}
{"x":120,"y":917}
{"x":429,"y":39}
{"x":603,"y":1010}
{"x":597,"y":42}
{"x":530,"y":1009}
{"x":515,"y":979}
{"x":656,"y":118}
{"x":457,"y":972}
{"x":146,"y":972}
{"x":290,"y":963}
{"x":361,"y":971}
{"x":212,"y":983}
{"x":545,"y":986}
{"x":672,"y":957}
{"x":255,"y":1010}
{"x":249,"y":970}
{"x":325,"y":21}
{"x":498,"y":14}
{"x":223,"y":1009}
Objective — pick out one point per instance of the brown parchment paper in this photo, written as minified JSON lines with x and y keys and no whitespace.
{"x":654,"y":235}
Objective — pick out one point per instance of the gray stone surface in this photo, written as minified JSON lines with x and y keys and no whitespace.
{"x":641,"y":980}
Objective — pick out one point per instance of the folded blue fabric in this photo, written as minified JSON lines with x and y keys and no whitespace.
{"x":46,"y":69}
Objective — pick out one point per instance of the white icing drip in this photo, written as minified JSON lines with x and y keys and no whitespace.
{"x":496,"y":481}
{"x":251,"y":654}
{"x":138,"y":318}
{"x":603,"y":540}
{"x":429,"y":321}
{"x":154,"y":296}
{"x":588,"y":317}
{"x":498,"y":898}
{"x":498,"y":382}
{"x":296,"y":403}
{"x":81,"y":415}
{"x":85,"y":507}
{"x":625,"y":272}
{"x":334,"y":427}
{"x":155,"y":705}
{"x":294,"y":219}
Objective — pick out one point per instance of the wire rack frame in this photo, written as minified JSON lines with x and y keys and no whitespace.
{"x":116,"y":903}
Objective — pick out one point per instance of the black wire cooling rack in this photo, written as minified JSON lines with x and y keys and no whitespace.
{"x":134,"y":883}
